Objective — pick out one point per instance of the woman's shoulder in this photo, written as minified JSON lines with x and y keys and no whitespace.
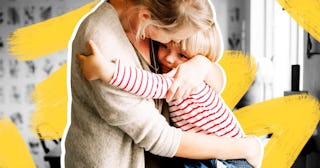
{"x":103,"y":26}
{"x":102,"y":23}
{"x":104,"y":15}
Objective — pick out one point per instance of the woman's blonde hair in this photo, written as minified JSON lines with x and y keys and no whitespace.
{"x":171,"y":15}
{"x":206,"y":42}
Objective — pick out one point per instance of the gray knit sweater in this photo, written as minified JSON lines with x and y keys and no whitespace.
{"x":109,"y":127}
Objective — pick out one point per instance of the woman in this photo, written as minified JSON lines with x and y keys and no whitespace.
{"x":111,"y":128}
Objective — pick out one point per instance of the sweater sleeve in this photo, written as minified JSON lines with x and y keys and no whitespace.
{"x":140,"y":82}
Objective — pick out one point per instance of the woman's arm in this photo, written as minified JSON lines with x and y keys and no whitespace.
{"x":200,"y":146}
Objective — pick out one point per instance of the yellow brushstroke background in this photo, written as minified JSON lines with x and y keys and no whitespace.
{"x":240,"y":69}
{"x":51,"y":99}
{"x":13,"y":150}
{"x":278,"y":116}
{"x":306,"y":13}
{"x":291,"y":119}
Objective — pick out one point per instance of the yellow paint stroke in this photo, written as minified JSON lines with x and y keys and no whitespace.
{"x":306,"y":13}
{"x":291,"y":119}
{"x":13,"y":150}
{"x":51,"y":98}
{"x":240,"y":71}
{"x":46,"y":37}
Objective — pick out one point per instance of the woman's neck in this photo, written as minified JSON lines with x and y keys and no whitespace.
{"x":142,"y":46}
{"x":118,"y":5}
{"x":128,"y":16}
{"x":129,"y":21}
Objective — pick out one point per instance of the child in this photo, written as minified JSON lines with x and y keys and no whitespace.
{"x":203,"y":111}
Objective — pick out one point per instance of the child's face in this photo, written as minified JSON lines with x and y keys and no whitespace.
{"x":170,"y":57}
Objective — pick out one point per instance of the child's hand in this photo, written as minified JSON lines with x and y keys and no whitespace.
{"x":95,"y":66}
{"x":187,"y":79}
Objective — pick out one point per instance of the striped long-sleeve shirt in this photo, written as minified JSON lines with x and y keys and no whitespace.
{"x":203,"y":111}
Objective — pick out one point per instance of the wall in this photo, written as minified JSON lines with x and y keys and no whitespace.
{"x":311,"y":72}
{"x":18,"y":78}
{"x":311,"y":83}
{"x":233,"y":18}
{"x":311,"y":77}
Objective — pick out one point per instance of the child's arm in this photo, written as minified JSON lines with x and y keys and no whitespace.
{"x":133,"y":80}
{"x":140,"y":82}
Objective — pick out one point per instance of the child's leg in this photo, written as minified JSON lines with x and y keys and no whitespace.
{"x":236,"y":163}
{"x":216,"y":163}
{"x":200,"y":163}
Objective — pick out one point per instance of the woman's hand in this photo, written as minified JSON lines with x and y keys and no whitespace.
{"x":255,"y":152}
{"x":188,"y":77}
{"x":96,"y":66}
{"x":201,"y":146}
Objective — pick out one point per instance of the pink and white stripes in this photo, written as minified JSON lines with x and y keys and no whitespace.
{"x":203,"y":111}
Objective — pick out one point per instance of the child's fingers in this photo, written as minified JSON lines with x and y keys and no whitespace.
{"x":81,"y":57}
{"x":171,"y":73}
{"x":172,"y":91}
{"x":186,"y":93}
{"x":93,"y":47}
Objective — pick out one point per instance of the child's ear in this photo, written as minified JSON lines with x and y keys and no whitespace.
{"x":144,"y":14}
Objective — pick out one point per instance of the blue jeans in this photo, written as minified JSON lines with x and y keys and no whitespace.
{"x":232,"y":163}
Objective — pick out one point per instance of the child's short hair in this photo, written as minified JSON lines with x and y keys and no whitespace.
{"x":206,"y":42}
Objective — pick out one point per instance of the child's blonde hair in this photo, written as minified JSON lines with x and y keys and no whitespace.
{"x":206,"y":42}
{"x":171,"y":15}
